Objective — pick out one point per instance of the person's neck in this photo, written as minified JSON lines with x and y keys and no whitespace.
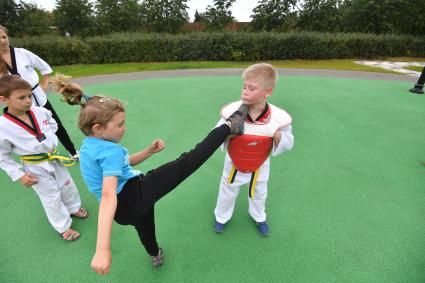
{"x":255,"y":110}
{"x":99,"y":136}
{"x":96,"y":135}
{"x":17,"y":113}
{"x":5,"y":54}
{"x":5,"y":51}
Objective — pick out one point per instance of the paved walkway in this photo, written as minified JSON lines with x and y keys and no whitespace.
{"x":101,"y":79}
{"x":394,"y":66}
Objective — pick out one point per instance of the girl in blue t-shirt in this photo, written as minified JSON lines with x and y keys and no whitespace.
{"x":127,"y":195}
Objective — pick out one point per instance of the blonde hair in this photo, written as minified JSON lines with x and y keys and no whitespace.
{"x":3,"y":67}
{"x":3,"y":28}
{"x":94,"y":109}
{"x":264,"y":73}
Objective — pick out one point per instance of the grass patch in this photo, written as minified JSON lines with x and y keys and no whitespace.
{"x":403,"y":59}
{"x":414,"y":68}
{"x":103,"y":69}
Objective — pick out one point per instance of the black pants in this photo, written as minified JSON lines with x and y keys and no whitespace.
{"x":421,"y":80}
{"x":137,"y":199}
{"x":61,"y":133}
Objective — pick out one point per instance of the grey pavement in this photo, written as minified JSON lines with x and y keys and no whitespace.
{"x":101,"y":79}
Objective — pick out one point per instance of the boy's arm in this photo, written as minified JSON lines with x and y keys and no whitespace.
{"x":283,"y":140}
{"x":141,"y":156}
{"x":8,"y":164}
{"x":101,"y":261}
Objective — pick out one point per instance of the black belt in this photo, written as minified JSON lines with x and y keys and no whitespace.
{"x":35,"y":97}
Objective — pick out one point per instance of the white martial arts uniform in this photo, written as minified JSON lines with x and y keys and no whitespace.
{"x":26,"y":65}
{"x":229,"y":191}
{"x":55,"y":187}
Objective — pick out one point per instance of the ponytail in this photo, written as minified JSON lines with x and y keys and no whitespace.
{"x":71,"y":92}
{"x":94,"y":109}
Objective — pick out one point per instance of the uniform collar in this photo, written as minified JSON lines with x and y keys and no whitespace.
{"x":263,"y":116}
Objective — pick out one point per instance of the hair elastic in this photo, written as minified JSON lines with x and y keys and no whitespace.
{"x":87,"y":97}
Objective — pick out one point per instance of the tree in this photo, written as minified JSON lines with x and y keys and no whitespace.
{"x":411,"y":20}
{"x":130,"y":15}
{"x":198,"y":17}
{"x":114,"y":16}
{"x":9,"y":16}
{"x":374,"y":16}
{"x":106,"y":16}
{"x":33,"y":20}
{"x":321,"y":15}
{"x":164,"y":15}
{"x":217,"y":17}
{"x":74,"y":16}
{"x":273,"y":14}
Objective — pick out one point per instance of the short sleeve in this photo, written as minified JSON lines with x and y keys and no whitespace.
{"x":112,"y":163}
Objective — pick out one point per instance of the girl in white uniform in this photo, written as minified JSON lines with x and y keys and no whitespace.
{"x":29,"y":132}
{"x":21,"y":62}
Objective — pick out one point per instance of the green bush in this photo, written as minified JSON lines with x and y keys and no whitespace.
{"x":228,"y":46}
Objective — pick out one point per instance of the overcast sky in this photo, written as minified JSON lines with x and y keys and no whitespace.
{"x":241,"y":9}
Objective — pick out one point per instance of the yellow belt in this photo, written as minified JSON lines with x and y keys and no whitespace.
{"x":252,"y":183}
{"x":43,"y":157}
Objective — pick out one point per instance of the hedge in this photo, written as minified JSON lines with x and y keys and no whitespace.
{"x":151,"y":47}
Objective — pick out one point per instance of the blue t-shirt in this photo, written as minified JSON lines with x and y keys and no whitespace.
{"x":100,"y":158}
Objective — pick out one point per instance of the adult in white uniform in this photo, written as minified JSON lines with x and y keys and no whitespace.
{"x":24,"y":63}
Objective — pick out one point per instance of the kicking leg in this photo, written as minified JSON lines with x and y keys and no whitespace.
{"x":170,"y":175}
{"x":145,"y":227}
{"x":162,"y":180}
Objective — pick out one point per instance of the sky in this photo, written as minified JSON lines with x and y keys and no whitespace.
{"x":241,"y":9}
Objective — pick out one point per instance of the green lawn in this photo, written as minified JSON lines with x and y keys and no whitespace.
{"x":415,"y":68}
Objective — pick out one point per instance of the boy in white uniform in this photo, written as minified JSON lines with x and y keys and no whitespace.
{"x":267,"y":130}
{"x":29,"y":132}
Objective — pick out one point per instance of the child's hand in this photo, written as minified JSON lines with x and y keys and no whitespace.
{"x":156,"y":146}
{"x":276,"y":137}
{"x":28,"y":180}
{"x":101,"y":262}
{"x":44,"y":86}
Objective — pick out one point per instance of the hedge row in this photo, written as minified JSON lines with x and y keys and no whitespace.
{"x":143,"y":47}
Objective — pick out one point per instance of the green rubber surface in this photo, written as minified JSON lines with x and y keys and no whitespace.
{"x":345,"y":205}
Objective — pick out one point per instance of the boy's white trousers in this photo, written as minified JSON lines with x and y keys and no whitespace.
{"x":228,"y":192}
{"x":57,"y":192}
